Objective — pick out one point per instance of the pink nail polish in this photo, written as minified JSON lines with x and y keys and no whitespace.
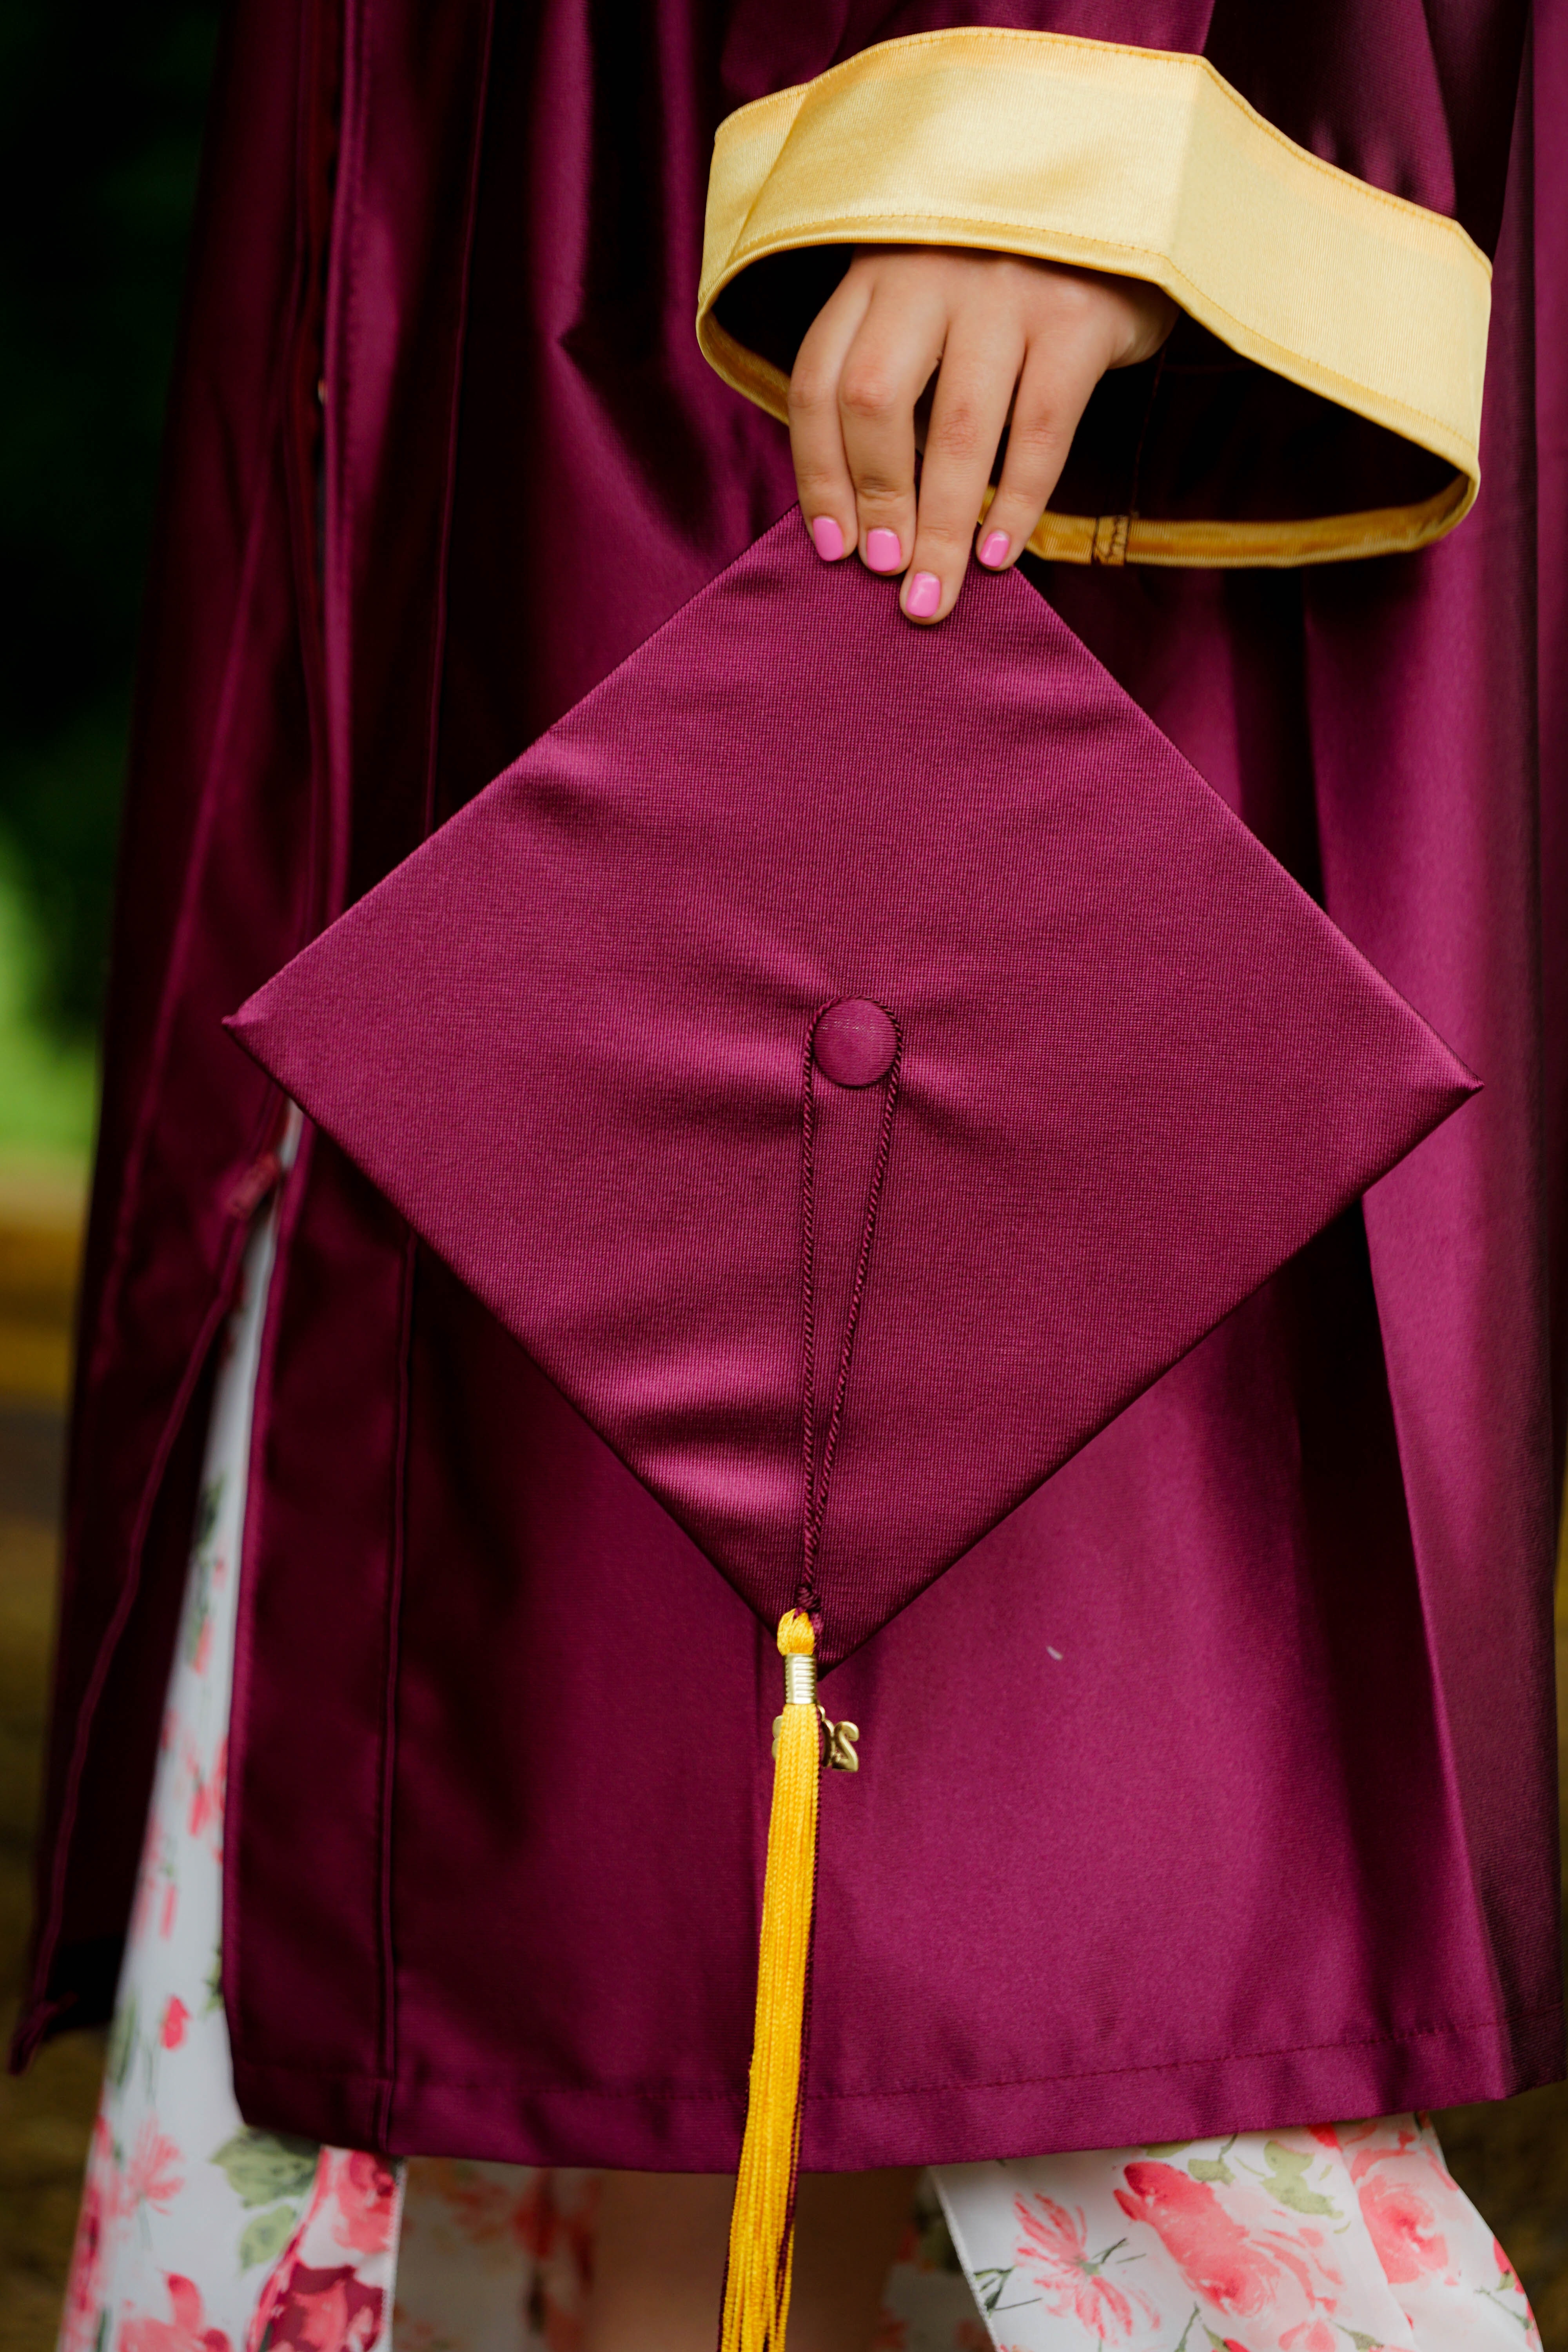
{"x":924,"y":596}
{"x":883,"y":552}
{"x":827,"y":538}
{"x":994,"y":552}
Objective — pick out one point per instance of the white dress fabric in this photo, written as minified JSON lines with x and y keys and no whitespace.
{"x":200,"y":2233}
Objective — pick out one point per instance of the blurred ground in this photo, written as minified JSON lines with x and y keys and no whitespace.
{"x":43,"y":2119}
{"x":1512,"y":2158}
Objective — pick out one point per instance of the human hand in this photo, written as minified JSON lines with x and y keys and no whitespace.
{"x":1011,"y":342}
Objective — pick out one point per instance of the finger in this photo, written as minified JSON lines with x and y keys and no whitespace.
{"x":1053,"y":392}
{"x":979,"y":370}
{"x":817,"y":439}
{"x":885,"y":370}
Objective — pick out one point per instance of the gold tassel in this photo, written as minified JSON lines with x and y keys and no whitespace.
{"x":762,"y":2226}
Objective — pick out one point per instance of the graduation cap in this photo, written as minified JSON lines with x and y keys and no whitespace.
{"x":855,"y":1062}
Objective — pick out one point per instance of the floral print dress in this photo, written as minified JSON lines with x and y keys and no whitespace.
{"x":200,"y":2233}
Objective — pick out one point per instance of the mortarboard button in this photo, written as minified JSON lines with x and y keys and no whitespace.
{"x":854,"y":1043}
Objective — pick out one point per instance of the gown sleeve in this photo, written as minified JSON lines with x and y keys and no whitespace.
{"x":1321,"y":398}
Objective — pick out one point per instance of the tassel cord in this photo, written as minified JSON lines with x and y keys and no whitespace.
{"x":762,"y":2227}
{"x":818,"y":1482}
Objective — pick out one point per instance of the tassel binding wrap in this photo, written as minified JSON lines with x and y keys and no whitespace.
{"x":762,"y":2226}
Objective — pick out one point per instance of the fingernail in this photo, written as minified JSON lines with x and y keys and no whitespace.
{"x":827,"y":538}
{"x":883,"y":552}
{"x":994,"y":550}
{"x":924,"y":596}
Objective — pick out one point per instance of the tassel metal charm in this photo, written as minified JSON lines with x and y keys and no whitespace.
{"x":762,"y":2225}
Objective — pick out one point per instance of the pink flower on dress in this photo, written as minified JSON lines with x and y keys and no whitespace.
{"x":177,"y":2017}
{"x":558,"y":2234}
{"x":100,"y":2205}
{"x":166,"y":1922}
{"x":152,"y":2176}
{"x":1312,"y":2336}
{"x":1402,"y":2228}
{"x":205,"y":1813}
{"x":320,"y":2311}
{"x":153,"y":1874}
{"x":534,"y":2222}
{"x":1053,"y":2249}
{"x":486,"y":2212}
{"x":184,"y":2332}
{"x":1375,"y":2142}
{"x":579,"y":2221}
{"x":1213,"y":2253}
{"x":364,"y":2190}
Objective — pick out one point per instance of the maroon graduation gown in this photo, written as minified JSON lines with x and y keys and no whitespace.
{"x":1270,"y":1839}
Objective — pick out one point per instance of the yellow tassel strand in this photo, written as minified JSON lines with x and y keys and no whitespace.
{"x":762,"y":2226}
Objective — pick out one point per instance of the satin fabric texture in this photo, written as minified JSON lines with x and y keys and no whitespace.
{"x":1257,"y":1633}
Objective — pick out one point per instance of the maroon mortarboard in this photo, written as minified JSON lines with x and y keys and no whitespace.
{"x":855,"y":1062}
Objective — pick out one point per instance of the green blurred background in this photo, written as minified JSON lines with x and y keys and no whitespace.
{"x":100,"y":123}
{"x":100,"y":115}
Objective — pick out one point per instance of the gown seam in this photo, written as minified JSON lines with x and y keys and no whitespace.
{"x":414,"y":2085}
